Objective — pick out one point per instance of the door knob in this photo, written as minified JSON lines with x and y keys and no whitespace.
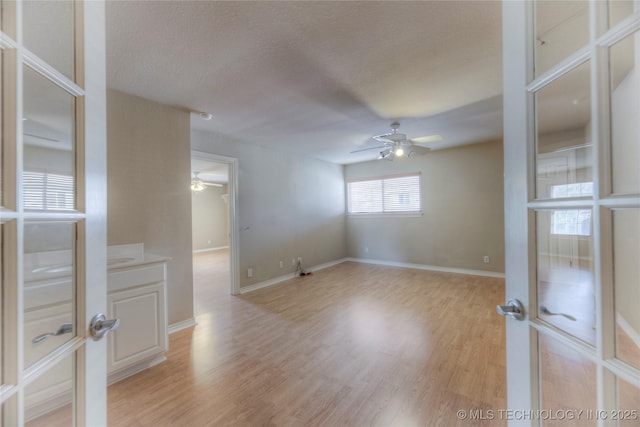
{"x":99,"y":326}
{"x":514,"y":309}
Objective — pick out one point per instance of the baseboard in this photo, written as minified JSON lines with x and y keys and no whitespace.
{"x":217,"y":248}
{"x":275,"y":280}
{"x":184,"y":324}
{"x":429,"y":267}
{"x":132,"y":370}
{"x":628,"y":329}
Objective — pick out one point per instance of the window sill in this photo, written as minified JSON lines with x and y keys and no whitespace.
{"x":387,"y":215}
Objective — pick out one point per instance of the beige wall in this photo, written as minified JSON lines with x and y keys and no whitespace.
{"x":149,"y":200}
{"x":209,"y":218}
{"x":288,"y":205}
{"x":462,"y":198}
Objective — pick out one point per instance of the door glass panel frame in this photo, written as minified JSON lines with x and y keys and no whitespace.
{"x":16,"y":376}
{"x":523,"y":370}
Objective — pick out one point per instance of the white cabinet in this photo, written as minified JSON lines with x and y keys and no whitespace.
{"x":136,"y":296}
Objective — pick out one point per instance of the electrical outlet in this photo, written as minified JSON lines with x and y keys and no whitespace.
{"x":281,"y":264}
{"x":486,"y":259}
{"x":250,"y":272}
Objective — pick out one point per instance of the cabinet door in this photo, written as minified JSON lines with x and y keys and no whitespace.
{"x":143,"y":331}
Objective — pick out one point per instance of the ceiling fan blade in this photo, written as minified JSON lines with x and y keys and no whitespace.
{"x":370,"y":148}
{"x":384,"y":135}
{"x":416,"y":149}
{"x":383,"y":139}
{"x":212,"y":184}
{"x":426,"y":139}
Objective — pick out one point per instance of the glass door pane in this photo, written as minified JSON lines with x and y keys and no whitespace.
{"x":49,"y":399}
{"x":49,"y":287}
{"x":619,"y":10}
{"x":567,"y":384}
{"x":624,"y":61}
{"x":48,"y":32}
{"x":561,"y":28}
{"x":563,"y":124}
{"x":566,"y":291}
{"x":49,"y":145}
{"x":628,"y":403}
{"x":626,"y":271}
{"x":2,"y":302}
{"x":8,"y":17}
{"x":2,"y":133}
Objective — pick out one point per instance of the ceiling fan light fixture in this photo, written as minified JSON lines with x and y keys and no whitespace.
{"x":197,"y":186}
{"x":399,"y":151}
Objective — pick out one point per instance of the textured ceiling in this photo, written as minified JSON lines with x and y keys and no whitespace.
{"x":316,"y":78}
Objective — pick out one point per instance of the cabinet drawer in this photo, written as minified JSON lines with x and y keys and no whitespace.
{"x":134,"y":276}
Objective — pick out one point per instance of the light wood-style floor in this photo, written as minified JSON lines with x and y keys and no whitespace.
{"x":351,"y":345}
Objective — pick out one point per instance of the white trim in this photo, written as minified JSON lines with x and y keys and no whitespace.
{"x":183,"y":324}
{"x":47,"y":71}
{"x":569,"y":64}
{"x":429,"y":267}
{"x":276,"y":280}
{"x":628,"y":329}
{"x":234,"y":233}
{"x":217,"y":248}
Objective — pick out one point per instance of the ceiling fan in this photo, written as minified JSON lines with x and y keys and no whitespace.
{"x":396,"y":144}
{"x":198,"y":184}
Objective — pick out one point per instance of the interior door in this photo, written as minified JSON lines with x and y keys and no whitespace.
{"x":572,"y":91}
{"x":52,"y":228}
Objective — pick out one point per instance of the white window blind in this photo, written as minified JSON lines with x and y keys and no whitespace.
{"x":578,"y":189}
{"x":48,"y":192}
{"x":385,"y":195}
{"x":571,"y":222}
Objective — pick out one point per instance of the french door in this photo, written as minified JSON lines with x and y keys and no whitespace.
{"x":53,"y":208}
{"x":572,"y":201}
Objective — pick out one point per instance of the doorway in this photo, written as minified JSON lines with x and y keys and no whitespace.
{"x":214,"y":228}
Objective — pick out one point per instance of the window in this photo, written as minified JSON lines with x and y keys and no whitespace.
{"x":573,"y":222}
{"x":48,"y":191}
{"x":384,"y":195}
{"x":576,"y":222}
{"x":578,"y":189}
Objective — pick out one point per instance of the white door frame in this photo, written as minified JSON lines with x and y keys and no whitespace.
{"x":234,"y":254}
{"x":518,"y":164}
